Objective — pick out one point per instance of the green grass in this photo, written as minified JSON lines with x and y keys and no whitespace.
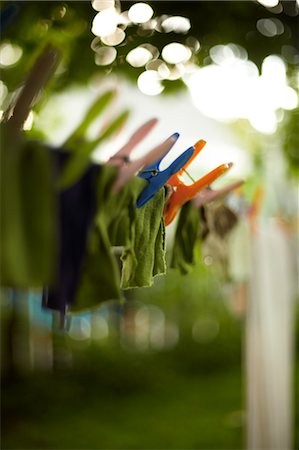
{"x":129,"y":402}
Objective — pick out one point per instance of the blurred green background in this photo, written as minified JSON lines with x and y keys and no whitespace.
{"x":166,"y":370}
{"x":176,"y":385}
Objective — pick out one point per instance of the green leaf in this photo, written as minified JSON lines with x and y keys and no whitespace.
{"x":94,"y":112}
{"x":81,"y":158}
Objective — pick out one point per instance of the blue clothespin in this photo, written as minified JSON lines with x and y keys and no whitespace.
{"x":157,"y":178}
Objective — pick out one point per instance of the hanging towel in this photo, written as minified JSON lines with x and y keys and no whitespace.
{"x":99,"y":276}
{"x":144,"y":256}
{"x":99,"y":279}
{"x":28,"y":213}
{"x":220,"y":221}
{"x":187,"y":232}
{"x":113,"y":225}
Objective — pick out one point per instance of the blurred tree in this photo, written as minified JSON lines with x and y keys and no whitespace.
{"x":291,"y":141}
{"x":261,"y":31}
{"x":67,"y":25}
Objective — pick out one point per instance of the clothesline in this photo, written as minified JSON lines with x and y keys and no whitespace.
{"x":62,"y":215}
{"x":91,"y":220}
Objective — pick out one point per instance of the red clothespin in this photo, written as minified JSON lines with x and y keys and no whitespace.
{"x":182,"y":193}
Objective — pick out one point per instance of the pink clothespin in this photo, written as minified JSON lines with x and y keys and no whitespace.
{"x":207,"y":195}
{"x":122,"y":157}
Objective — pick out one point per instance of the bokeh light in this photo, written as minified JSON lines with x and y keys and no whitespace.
{"x":140,"y":13}
{"x":123,"y":19}
{"x":9,"y":54}
{"x":99,"y":327}
{"x":232,"y":89}
{"x":193,"y":43}
{"x":80,"y":328}
{"x":109,"y":25}
{"x":99,"y":5}
{"x":290,"y":54}
{"x":105,"y":22}
{"x":176,"y":24}
{"x":154,"y":64}
{"x":151,"y":48}
{"x":139,"y":56}
{"x":115,"y":38}
{"x":227,"y":54}
{"x":269,"y":3}
{"x":105,"y":56}
{"x":175,"y":53}
{"x":270,"y":27}
{"x":149,"y":83}
{"x":172,"y":72}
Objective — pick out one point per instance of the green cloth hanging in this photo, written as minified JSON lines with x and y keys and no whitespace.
{"x":160,"y":251}
{"x":113,"y":226}
{"x":28,"y":213}
{"x":99,"y":280}
{"x":186,"y":236}
{"x":144,"y":256}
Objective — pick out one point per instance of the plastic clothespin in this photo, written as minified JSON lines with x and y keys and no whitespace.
{"x":182,"y":193}
{"x":127,"y":171}
{"x":197,"y":149}
{"x":207,"y":194}
{"x":122,"y":157}
{"x":172,"y":182}
{"x":158,"y":178}
{"x":40,"y":74}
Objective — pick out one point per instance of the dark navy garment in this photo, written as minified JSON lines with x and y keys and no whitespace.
{"x":8,"y":15}
{"x":77,"y":207}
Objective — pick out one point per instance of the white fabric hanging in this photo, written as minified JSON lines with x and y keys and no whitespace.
{"x":269,"y":339}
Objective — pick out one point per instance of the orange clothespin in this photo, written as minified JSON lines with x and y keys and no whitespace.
{"x":197,"y":148}
{"x":182,"y":193}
